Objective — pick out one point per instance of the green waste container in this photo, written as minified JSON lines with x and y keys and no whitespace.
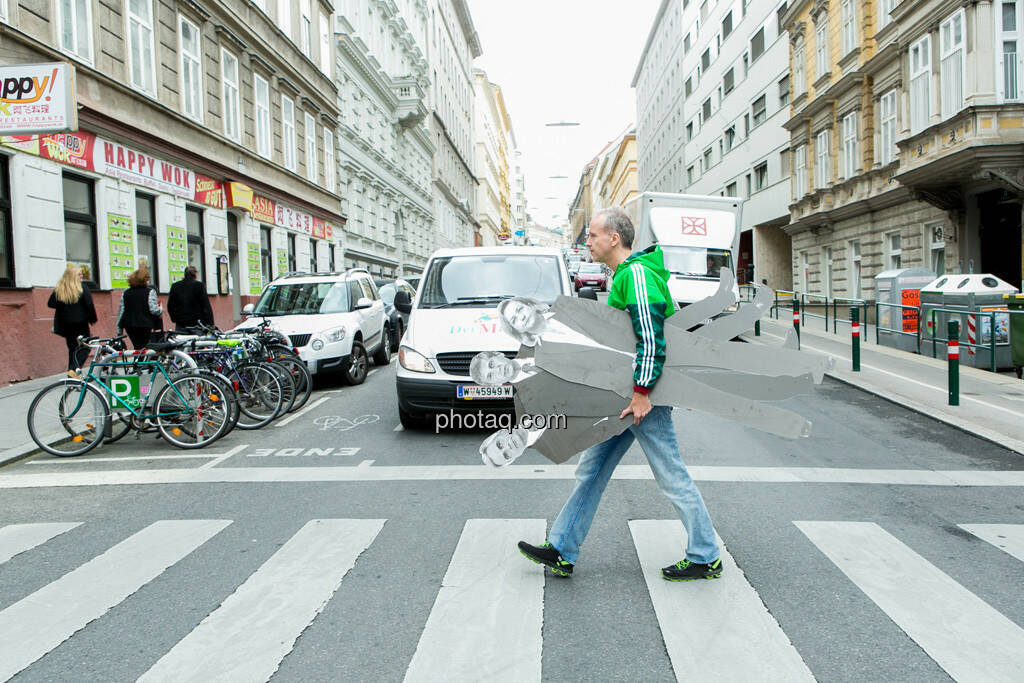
{"x":1015,"y":302}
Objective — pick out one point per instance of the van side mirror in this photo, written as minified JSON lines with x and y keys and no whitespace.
{"x":403,"y":302}
{"x":248,"y":309}
{"x":361,"y":303}
{"x":588,"y":293}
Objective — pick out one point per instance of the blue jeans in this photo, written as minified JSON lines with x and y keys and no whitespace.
{"x":657,"y":438}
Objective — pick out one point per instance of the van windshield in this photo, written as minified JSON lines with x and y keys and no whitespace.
{"x":484,"y":281}
{"x":696,"y":261}
{"x":305,"y":297}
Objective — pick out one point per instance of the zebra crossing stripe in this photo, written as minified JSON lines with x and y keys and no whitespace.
{"x":486,"y":622}
{"x":962,"y":633}
{"x":246,"y":638}
{"x":40,"y":622}
{"x":717,"y":629}
{"x":17,"y":538}
{"x":1007,"y":537}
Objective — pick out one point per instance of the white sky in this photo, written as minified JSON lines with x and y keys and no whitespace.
{"x":562,"y":60}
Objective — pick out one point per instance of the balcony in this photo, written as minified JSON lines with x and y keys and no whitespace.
{"x":411,"y":108}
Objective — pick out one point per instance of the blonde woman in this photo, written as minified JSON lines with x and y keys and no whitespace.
{"x":139,"y":308}
{"x":73,"y":315}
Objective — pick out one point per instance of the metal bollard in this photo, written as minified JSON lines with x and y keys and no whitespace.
{"x":796,"y":320}
{"x":953,"y":354}
{"x":757,"y":327}
{"x":855,"y":334}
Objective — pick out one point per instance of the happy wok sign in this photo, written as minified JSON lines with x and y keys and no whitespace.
{"x":37,"y":98}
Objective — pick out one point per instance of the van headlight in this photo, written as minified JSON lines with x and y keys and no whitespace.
{"x":413,"y":361}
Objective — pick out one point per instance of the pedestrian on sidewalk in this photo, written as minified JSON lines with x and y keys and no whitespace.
{"x":639,"y":286}
{"x":139,"y":309}
{"x":74,"y":312}
{"x":188,"y":303}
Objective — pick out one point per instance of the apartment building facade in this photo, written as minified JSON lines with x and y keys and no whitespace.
{"x":492,"y":142}
{"x":712,"y":89}
{"x":906,"y":133}
{"x":205,"y":138}
{"x":385,"y":152}
{"x":453,"y":45}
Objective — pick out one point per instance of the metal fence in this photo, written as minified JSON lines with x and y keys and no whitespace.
{"x":849,"y":303}
{"x":879,"y":327}
{"x":960,"y":313}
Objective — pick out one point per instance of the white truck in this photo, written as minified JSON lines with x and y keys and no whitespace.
{"x":699,"y":235}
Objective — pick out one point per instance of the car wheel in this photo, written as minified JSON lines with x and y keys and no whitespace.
{"x":358,"y":364}
{"x":382,"y":356}
{"x":411,"y":422}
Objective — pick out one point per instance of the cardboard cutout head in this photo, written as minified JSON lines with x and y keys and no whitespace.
{"x":523,"y":319}
{"x":503,"y":446}
{"x":492,"y":368}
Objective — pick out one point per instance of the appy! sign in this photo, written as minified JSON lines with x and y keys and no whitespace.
{"x":37,"y":99}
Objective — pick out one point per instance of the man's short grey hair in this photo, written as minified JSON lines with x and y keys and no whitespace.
{"x":616,"y":220}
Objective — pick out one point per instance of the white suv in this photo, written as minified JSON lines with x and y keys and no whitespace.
{"x":334,"y":320}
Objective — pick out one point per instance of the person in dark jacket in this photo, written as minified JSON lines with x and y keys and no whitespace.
{"x":74,"y":312}
{"x":188,"y":303}
{"x":139,"y":308}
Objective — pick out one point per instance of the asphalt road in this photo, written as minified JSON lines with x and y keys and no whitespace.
{"x":847,"y":559}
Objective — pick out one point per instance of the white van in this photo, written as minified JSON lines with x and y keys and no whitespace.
{"x":698,"y":235}
{"x":454,"y":317}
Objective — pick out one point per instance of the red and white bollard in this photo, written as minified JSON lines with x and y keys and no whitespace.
{"x":972,"y":334}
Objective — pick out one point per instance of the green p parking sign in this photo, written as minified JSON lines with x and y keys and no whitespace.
{"x":125,"y":388}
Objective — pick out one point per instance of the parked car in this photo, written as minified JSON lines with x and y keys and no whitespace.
{"x":573,"y":267}
{"x":335,"y":321}
{"x":397,"y":321}
{"x":591,"y":275}
{"x":454,"y":317}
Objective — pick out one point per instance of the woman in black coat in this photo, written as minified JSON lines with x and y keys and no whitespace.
{"x":139,"y":308}
{"x":73,"y":315}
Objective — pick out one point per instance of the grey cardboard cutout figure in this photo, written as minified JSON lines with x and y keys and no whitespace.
{"x":583,"y":353}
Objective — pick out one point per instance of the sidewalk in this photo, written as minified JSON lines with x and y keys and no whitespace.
{"x":15,"y":441}
{"x":991,"y":405}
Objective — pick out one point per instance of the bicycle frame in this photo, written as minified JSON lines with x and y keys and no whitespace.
{"x":157,"y":367}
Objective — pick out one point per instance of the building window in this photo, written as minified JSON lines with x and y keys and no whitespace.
{"x":291,"y":253}
{"x":706,"y":109}
{"x":686,"y":44}
{"x":312,"y":256}
{"x":730,"y":190}
{"x":191,"y":69}
{"x":306,"y":30}
{"x":826,"y":271}
{"x":325,"y":44}
{"x":329,"y":181}
{"x":784,"y":163}
{"x":757,"y":44}
{"x":80,"y":226}
{"x":6,"y":242}
{"x":894,"y":250}
{"x":145,"y":222}
{"x":784,"y":91}
{"x":799,"y":76}
{"x":758,"y":110}
{"x":727,"y":24}
{"x":850,"y":145}
{"x":888,"y":150}
{"x":266,"y":261}
{"x":800,"y":172}
{"x":688,"y":87}
{"x":689,"y":176}
{"x":140,"y":45}
{"x":196,"y":241}
{"x":761,"y":176}
{"x":779,"y":13}
{"x":311,"y":171}
{"x":884,"y":8}
{"x":1008,"y":67}
{"x":706,"y":159}
{"x":284,"y":16}
{"x":288,"y":132}
{"x":951,"y":66}
{"x":920,"y":81}
{"x":3,"y":10}
{"x":730,"y":138}
{"x":261,"y":104}
{"x":705,"y":59}
{"x":849,"y":18}
{"x":822,"y":172}
{"x":728,"y":81}
{"x":330,"y":257}
{"x":821,"y":47}
{"x":936,"y":248}
{"x":689,"y":131}
{"x":75,"y":24}
{"x":229,"y":86}
{"x":750,"y":188}
{"x":855,"y":270}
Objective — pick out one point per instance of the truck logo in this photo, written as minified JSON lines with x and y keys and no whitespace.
{"x":695,"y":226}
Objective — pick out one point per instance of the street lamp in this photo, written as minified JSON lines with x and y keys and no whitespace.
{"x":554,"y":124}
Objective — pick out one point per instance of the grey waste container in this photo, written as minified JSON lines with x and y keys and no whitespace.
{"x":897,"y":327}
{"x":970,"y":299}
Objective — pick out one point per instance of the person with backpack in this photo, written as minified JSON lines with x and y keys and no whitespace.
{"x":139,"y":308}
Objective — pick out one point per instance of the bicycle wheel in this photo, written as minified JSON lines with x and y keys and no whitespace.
{"x":68,"y":418}
{"x":300,"y":376}
{"x":190,"y":411}
{"x":259,"y":395}
{"x":228,"y":395}
{"x":287,"y":386}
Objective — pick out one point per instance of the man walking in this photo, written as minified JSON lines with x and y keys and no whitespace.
{"x":639,"y":286}
{"x":188,"y":304}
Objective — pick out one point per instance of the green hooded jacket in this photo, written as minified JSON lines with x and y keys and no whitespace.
{"x":640,"y":287}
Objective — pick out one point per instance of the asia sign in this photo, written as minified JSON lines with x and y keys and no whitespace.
{"x":37,"y":98}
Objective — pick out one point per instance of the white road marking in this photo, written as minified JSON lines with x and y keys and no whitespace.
{"x":125,"y":458}
{"x":398,"y":428}
{"x":719,"y":629}
{"x":969,"y":639}
{"x":17,"y":538}
{"x":1006,"y":537}
{"x":366,"y":463}
{"x":40,"y":622}
{"x":293,"y":416}
{"x":486,"y":622}
{"x":753,"y":475}
{"x":221,"y":458}
{"x":246,"y":638}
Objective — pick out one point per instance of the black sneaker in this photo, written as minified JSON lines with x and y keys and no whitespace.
{"x":547,"y":555}
{"x":684,"y":570}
